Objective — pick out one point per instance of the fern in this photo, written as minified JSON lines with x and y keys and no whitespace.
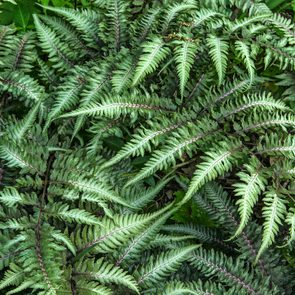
{"x":147,"y":147}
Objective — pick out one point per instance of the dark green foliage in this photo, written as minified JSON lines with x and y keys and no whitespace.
{"x":119,"y":120}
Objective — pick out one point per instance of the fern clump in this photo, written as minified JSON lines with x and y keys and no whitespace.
{"x":116,"y":120}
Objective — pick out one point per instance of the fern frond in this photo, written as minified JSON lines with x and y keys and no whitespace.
{"x":21,"y":53}
{"x":244,"y":52}
{"x":218,"y":52}
{"x":180,"y":142}
{"x":67,"y":94}
{"x":274,"y":145}
{"x":204,"y":15}
{"x":216,"y":163}
{"x":273,"y":213}
{"x":261,"y":101}
{"x":291,"y":221}
{"x":140,"y":242}
{"x":14,"y":276}
{"x":23,"y":86}
{"x":122,"y":76}
{"x":63,"y":212}
{"x":284,"y":24}
{"x":154,"y":51}
{"x":105,"y":272}
{"x":64,"y":239}
{"x":118,"y":21}
{"x":228,"y":271}
{"x":18,"y":129}
{"x":91,"y":287}
{"x":11,"y":197}
{"x":114,"y":106}
{"x":265,"y":120}
{"x":252,"y":185}
{"x":141,"y":141}
{"x":185,"y":52}
{"x":161,"y":266}
{"x":141,"y":199}
{"x":147,"y":22}
{"x":98,"y":189}
{"x":239,"y":24}
{"x":113,"y":232}
{"x":173,"y":10}
{"x":96,"y":83}
{"x":50,"y":43}
{"x":84,"y":21}
{"x":16,"y":156}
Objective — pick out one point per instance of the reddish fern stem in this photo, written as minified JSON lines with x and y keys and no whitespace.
{"x":38,"y":226}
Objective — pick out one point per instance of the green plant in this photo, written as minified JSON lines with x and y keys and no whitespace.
{"x":102,"y":108}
